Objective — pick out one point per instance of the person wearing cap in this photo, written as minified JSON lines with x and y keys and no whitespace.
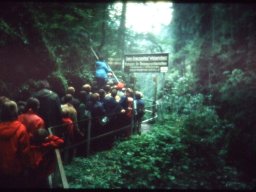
{"x":120,"y":91}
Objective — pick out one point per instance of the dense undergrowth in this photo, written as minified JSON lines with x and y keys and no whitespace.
{"x":187,"y":151}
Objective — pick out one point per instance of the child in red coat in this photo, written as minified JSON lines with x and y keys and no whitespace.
{"x":30,"y":118}
{"x":43,"y":158}
{"x":69,"y":137}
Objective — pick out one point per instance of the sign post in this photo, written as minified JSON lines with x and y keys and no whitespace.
{"x":155,"y":97}
{"x":115,"y":63}
{"x":147,"y":63}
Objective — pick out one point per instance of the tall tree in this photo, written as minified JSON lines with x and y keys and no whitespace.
{"x":122,"y":30}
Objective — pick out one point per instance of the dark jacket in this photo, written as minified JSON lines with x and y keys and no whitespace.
{"x":50,"y":107}
{"x":112,"y":107}
{"x":97,"y":109}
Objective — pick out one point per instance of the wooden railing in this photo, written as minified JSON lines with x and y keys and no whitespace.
{"x":60,"y":168}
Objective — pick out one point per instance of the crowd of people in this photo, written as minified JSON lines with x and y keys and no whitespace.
{"x":26,"y":146}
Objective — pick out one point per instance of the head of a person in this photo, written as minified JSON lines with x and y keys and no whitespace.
{"x":95,"y":97}
{"x":65,"y":112}
{"x":129,"y":92}
{"x":120,"y":86}
{"x":32,"y":104}
{"x":113,"y":92}
{"x":67,"y":98}
{"x":82,"y":95}
{"x":107,"y":88}
{"x":101,"y":57}
{"x":40,"y":135}
{"x":43,"y":84}
{"x":138,"y":95}
{"x":3,"y":99}
{"x":9,"y":111}
{"x":102,"y":93}
{"x":87,"y":88}
{"x":32,"y":85}
{"x":71,"y":90}
{"x":21,"y":106}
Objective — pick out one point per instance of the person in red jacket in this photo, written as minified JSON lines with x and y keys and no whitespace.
{"x":69,"y":133}
{"x":43,"y":158}
{"x":126,"y":103}
{"x":14,"y":148}
{"x":30,"y":118}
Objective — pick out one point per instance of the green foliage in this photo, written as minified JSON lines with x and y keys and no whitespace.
{"x":222,"y":60}
{"x":54,"y":37}
{"x":237,"y":104}
{"x":186,"y":152}
{"x":237,"y":97}
{"x":131,"y":164}
{"x":78,"y":79}
{"x":237,"y":79}
{"x":178,"y":94}
{"x":4,"y":27}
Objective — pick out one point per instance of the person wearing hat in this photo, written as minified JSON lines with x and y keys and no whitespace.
{"x":120,"y":90}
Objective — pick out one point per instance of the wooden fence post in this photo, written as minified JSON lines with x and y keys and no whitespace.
{"x":155,"y":98}
{"x":88,"y":143}
{"x":133,"y":81}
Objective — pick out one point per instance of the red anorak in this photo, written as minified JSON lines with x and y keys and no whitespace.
{"x":69,"y":128}
{"x":43,"y":158}
{"x":14,"y":148}
{"x":32,"y":122}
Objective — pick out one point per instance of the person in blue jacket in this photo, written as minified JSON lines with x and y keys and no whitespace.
{"x":102,"y":70}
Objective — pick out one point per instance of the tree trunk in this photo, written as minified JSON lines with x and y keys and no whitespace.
{"x":103,"y":27}
{"x":122,"y":30}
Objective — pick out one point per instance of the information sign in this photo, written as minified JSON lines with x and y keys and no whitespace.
{"x":146,"y":62}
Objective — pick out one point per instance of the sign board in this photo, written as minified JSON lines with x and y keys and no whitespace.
{"x":115,"y":63}
{"x":146,"y":62}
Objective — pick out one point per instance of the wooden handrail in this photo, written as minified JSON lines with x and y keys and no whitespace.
{"x":60,"y":166}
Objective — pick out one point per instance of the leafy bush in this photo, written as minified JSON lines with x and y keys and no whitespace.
{"x":136,"y":163}
{"x":237,"y":102}
{"x":187,"y":152}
